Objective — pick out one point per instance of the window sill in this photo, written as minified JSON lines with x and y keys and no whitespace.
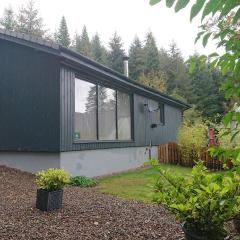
{"x":102,"y":141}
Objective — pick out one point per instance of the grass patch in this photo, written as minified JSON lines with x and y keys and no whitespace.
{"x":138,"y":184}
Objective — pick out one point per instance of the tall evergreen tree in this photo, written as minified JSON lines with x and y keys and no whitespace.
{"x":29,"y":21}
{"x":77,"y":43}
{"x":206,"y":95}
{"x":136,"y":60}
{"x":8,"y":20}
{"x":84,"y":46}
{"x":151,"y":57}
{"x":99,"y":53}
{"x":62,"y":35}
{"x":116,"y":53}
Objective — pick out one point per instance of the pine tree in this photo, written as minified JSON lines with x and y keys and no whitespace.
{"x":76,"y":46}
{"x":136,"y":60}
{"x":116,"y":53}
{"x":8,"y":20}
{"x":29,"y":21}
{"x":91,"y":100}
{"x":62,"y":35}
{"x":99,"y":53}
{"x":84,"y":46}
{"x":206,"y":95}
{"x":151,"y":56}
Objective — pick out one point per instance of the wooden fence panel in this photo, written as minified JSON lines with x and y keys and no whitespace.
{"x":170,"y":153}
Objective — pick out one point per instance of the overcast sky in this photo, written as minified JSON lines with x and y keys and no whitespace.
{"x":127,"y":17}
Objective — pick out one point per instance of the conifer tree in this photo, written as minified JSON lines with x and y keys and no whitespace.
{"x":151,"y":56}
{"x":8,"y":20}
{"x":116,"y":53}
{"x":62,"y":35}
{"x":84,"y":46}
{"x":29,"y":21}
{"x":77,"y":43}
{"x":99,"y":53}
{"x":136,"y":60}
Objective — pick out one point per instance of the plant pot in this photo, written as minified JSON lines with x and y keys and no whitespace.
{"x":49,"y":200}
{"x":190,"y":235}
{"x":236,"y":222}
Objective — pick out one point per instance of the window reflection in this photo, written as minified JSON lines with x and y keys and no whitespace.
{"x":107,"y":113}
{"x":124,"y":116}
{"x":85,"y":110}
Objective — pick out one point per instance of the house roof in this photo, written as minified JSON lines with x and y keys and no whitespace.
{"x":75,"y":58}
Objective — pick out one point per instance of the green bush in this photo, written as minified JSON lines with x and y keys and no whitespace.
{"x":52,"y":179}
{"x":83,"y":181}
{"x":203,"y":201}
{"x":192,"y":138}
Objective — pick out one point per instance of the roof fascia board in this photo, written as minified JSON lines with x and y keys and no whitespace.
{"x":123,"y":83}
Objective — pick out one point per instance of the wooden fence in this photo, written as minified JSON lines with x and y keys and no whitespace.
{"x":170,"y":153}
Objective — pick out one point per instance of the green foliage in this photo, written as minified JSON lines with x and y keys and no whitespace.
{"x":99,"y":53}
{"x":203,"y":201}
{"x":136,"y":59}
{"x":29,"y":20}
{"x":151,"y":56}
{"x":116,"y":53}
{"x":83,"y":181}
{"x":52,"y":179}
{"x":192,"y":138}
{"x":206,"y":96}
{"x":8,"y":21}
{"x":62,"y":36}
{"x":85,"y":45}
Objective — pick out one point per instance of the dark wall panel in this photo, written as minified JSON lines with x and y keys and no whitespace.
{"x":29,"y":99}
{"x":143,"y":133}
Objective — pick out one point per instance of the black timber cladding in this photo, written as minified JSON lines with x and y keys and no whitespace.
{"x":41,"y":114}
{"x":29,"y":99}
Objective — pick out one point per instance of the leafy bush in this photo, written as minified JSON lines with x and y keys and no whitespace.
{"x":52,"y":179}
{"x":203,"y":201}
{"x":83,"y":181}
{"x":192,"y":138}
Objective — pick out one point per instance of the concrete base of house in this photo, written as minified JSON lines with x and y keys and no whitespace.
{"x":90,"y":163}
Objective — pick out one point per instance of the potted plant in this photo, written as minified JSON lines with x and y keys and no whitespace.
{"x":202,"y":202}
{"x":50,"y":193}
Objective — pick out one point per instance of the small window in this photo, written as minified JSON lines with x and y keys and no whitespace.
{"x":162,"y":113}
{"x":85,"y":110}
{"x":157,"y":112}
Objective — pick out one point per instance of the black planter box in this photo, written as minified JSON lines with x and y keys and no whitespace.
{"x":237,"y":223}
{"x":192,"y":236}
{"x":49,"y":200}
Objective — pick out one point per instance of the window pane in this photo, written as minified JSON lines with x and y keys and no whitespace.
{"x":107,"y":113}
{"x":85,"y":110}
{"x":124,"y":116}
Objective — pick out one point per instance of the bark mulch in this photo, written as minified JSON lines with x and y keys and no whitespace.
{"x":86,"y":214}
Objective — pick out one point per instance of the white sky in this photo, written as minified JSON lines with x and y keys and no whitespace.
{"x":127,"y":17}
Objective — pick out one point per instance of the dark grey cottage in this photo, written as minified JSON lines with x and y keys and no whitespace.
{"x":61,"y":109}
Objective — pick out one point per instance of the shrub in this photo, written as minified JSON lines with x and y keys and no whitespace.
{"x":83,"y":181}
{"x":203,"y":201}
{"x":192,"y":138}
{"x":52,"y":179}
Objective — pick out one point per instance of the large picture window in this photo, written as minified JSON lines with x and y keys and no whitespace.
{"x":101,"y":113}
{"x":85,"y":110}
{"x":107,"y":113}
{"x":124,"y":116}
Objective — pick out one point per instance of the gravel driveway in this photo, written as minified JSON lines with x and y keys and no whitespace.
{"x":87,"y":214}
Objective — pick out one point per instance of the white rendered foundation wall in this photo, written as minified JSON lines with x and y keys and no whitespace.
{"x":30,"y":162}
{"x":99,"y":162}
{"x":80,"y":163}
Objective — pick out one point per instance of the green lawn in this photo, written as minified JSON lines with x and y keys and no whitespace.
{"x":135,"y":184}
